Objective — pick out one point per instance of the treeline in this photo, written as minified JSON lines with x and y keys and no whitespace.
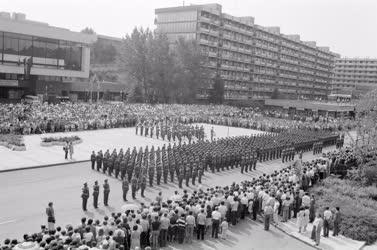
{"x":163,"y":72}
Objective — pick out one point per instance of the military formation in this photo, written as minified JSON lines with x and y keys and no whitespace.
{"x":85,"y":194}
{"x":170,"y":131}
{"x":186,"y":163}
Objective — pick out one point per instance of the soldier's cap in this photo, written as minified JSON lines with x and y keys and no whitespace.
{"x":85,"y":184}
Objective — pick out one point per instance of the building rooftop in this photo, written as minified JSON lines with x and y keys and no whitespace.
{"x":17,"y":23}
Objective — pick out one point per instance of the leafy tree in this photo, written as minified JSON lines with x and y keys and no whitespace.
{"x":191,"y":73}
{"x":217,"y":93}
{"x":88,"y":30}
{"x":275,"y":94}
{"x":134,"y":57}
{"x":137,"y":94}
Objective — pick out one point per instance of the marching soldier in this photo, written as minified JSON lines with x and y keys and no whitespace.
{"x":212,"y":133}
{"x":125,"y":188}
{"x":106,"y":192}
{"x":159,"y":173}
{"x":99,"y":160}
{"x":133,"y":187}
{"x":93,"y":159}
{"x":195,"y":173}
{"x":95,"y":194}
{"x":85,"y":196}
{"x":117,"y":167}
{"x":105,"y":162}
{"x":157,"y":131}
{"x":143,"y":185}
{"x":187,"y":174}
{"x":181,"y":176}
{"x":123,"y":168}
{"x":151,"y":175}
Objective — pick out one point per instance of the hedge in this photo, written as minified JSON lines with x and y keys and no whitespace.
{"x":61,"y":139}
{"x":358,"y":206}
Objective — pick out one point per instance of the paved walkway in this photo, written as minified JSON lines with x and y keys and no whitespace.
{"x":331,"y":243}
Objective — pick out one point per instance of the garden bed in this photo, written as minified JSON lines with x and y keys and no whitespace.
{"x":60,"y":141}
{"x":357,"y":206}
{"x":13,"y":142}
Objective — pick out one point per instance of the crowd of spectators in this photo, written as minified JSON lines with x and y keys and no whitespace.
{"x":48,"y":118}
{"x":199,"y":214}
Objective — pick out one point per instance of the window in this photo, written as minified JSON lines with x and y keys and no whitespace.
{"x":10,"y":45}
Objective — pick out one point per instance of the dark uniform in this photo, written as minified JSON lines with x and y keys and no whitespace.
{"x":106,"y":192}
{"x":95,"y":194}
{"x":93,"y":160}
{"x":99,"y":160}
{"x":143,"y":185}
{"x":125,"y":188}
{"x":133,"y":187}
{"x":85,"y":196}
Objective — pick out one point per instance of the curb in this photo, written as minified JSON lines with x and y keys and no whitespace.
{"x":296,"y":238}
{"x":42,"y":166}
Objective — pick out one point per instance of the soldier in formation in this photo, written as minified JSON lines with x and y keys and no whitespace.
{"x":189,"y":161}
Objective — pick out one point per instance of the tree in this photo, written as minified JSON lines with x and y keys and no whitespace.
{"x":137,"y":94}
{"x":134,"y":57}
{"x":88,"y":30}
{"x":217,"y":93}
{"x":162,"y":69}
{"x":275,"y":94}
{"x":191,"y":73}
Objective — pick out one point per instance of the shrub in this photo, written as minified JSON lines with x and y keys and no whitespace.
{"x":357,"y":206}
{"x":61,"y":139}
{"x":16,"y":140}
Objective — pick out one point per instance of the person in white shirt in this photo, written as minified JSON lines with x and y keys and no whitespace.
{"x":327,"y":214}
{"x":223,"y":210}
{"x":216,"y":217}
{"x":224,"y":229}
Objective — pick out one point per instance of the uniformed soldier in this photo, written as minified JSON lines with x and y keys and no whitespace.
{"x":99,"y":160}
{"x":243,"y":161}
{"x":93,"y":159}
{"x":151,"y":175}
{"x":157,"y":131}
{"x":95,"y":194}
{"x":133,"y":187}
{"x":143,"y":185}
{"x":106,"y":161}
{"x":125,"y":188}
{"x":195,"y":172}
{"x":159,"y":173}
{"x":106,"y":192}
{"x":141,"y":129}
{"x":212,"y":133}
{"x":85,"y":196}
{"x":181,"y":176}
{"x":187,"y":174}
{"x":117,"y":167}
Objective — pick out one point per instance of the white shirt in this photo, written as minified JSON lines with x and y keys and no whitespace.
{"x":327,"y":214}
{"x":216,"y":215}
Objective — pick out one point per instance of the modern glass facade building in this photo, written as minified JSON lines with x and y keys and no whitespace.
{"x":255,"y":62}
{"x":35,"y":57}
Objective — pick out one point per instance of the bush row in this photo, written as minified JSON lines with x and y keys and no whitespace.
{"x":357,"y":204}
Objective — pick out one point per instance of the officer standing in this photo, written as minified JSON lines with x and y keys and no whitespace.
{"x":143,"y":185}
{"x":133,"y":187}
{"x":125,"y":188}
{"x":85,"y":196}
{"x":99,"y":160}
{"x":106,"y":192}
{"x":93,"y":159}
{"x":95,"y":194}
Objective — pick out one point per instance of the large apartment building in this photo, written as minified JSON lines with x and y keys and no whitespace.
{"x":254,"y":62}
{"x":354,"y":76}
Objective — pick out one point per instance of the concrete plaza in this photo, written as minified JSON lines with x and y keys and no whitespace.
{"x":36,"y":155}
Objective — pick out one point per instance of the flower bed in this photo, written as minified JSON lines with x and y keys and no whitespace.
{"x":357,"y":206}
{"x":60,"y":141}
{"x":13,"y":142}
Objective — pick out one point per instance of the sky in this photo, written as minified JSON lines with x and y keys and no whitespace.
{"x":348,"y":27}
